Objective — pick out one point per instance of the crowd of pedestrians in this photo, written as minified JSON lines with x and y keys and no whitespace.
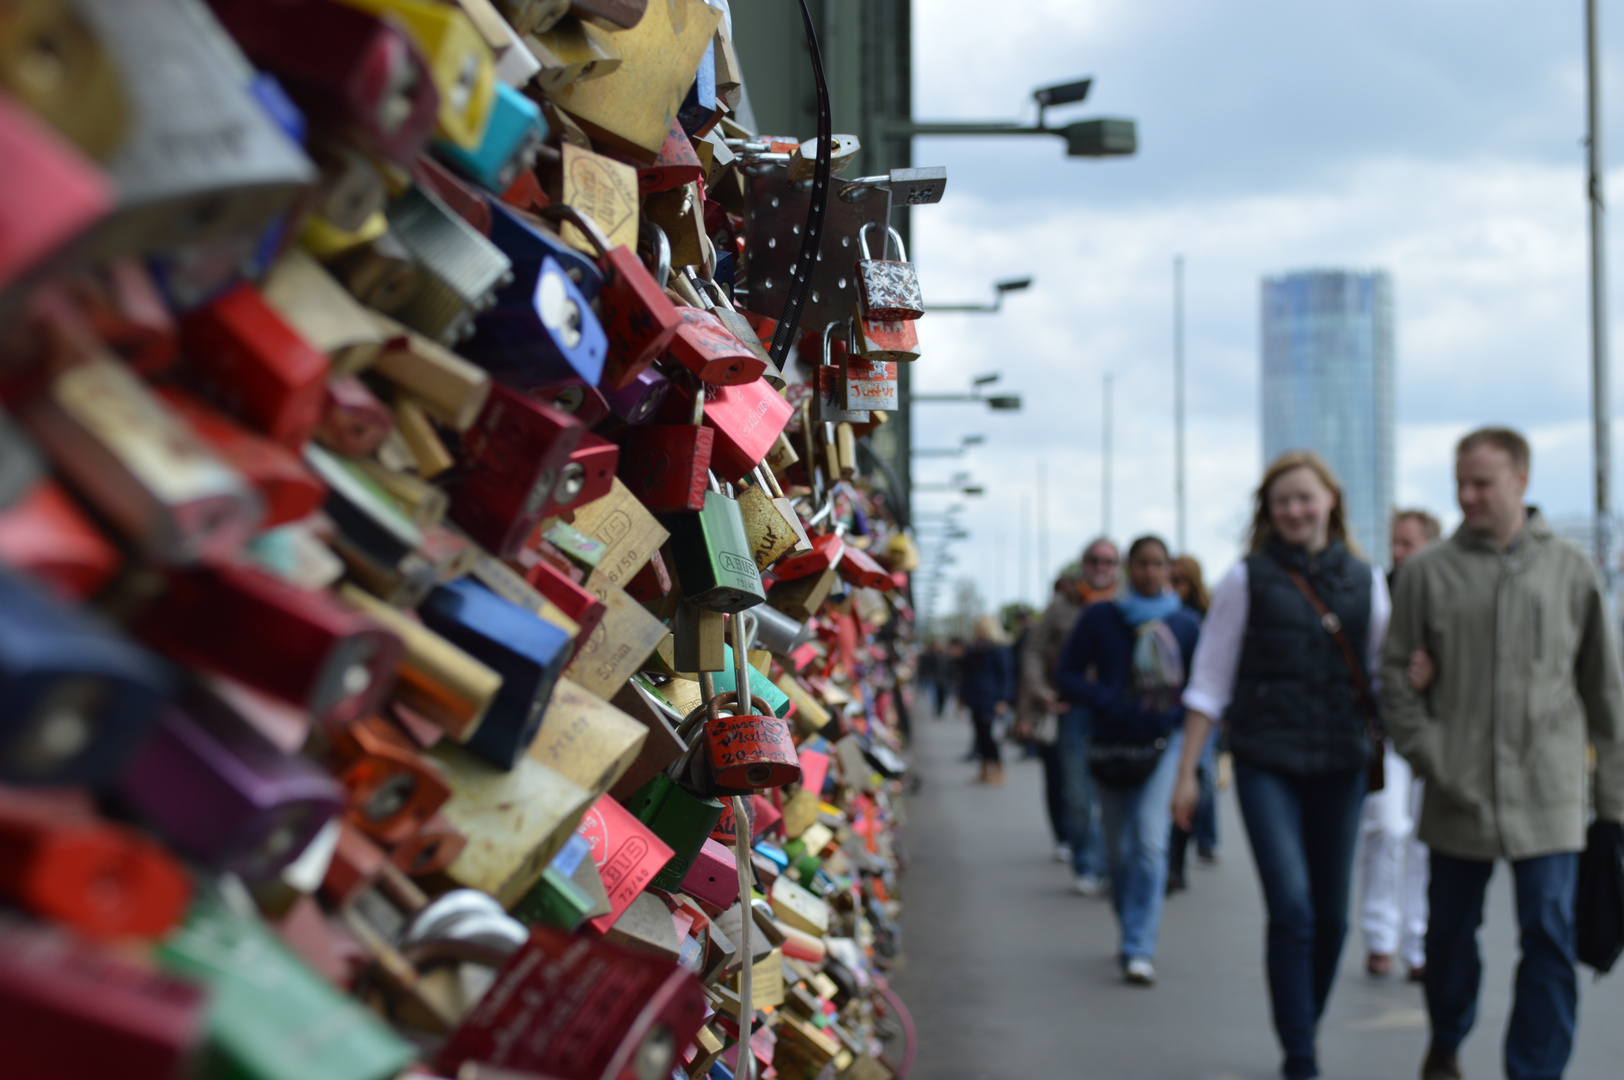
{"x":1409,"y":726}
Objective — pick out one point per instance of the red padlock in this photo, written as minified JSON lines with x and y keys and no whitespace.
{"x":711,"y":351}
{"x":749,"y":752}
{"x":394,"y":790}
{"x":59,"y":860}
{"x":651,"y":583}
{"x":353,"y":421}
{"x":49,"y":191}
{"x":125,"y":308}
{"x":748,"y":420}
{"x":627,"y":853}
{"x":257,"y":366}
{"x":584,"y":608}
{"x":599,"y":460}
{"x":289,"y":489}
{"x":302,"y":647}
{"x":667,"y":466}
{"x":515,"y":455}
{"x":826,"y":553}
{"x":675,"y":165}
{"x":638,"y":318}
{"x":46,"y":534}
{"x":886,"y":340}
{"x":577,"y":397}
{"x":861,"y":569}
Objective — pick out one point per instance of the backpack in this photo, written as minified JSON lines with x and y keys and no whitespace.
{"x":1156,"y":674}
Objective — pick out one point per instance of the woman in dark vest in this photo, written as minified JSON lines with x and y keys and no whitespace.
{"x":1277,"y":673}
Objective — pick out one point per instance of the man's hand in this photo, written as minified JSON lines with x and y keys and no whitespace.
{"x":1421,"y":671}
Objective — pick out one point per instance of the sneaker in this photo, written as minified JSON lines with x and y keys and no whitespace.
{"x":1062,"y":852}
{"x":1207,"y":855}
{"x":1440,"y":1066}
{"x":1139,"y":971}
{"x":1088,"y":885}
{"x":1176,"y":883}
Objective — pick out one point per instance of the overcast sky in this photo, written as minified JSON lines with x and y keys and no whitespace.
{"x":1436,"y":139}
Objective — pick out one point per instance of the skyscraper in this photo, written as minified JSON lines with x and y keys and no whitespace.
{"x":1328,"y":386}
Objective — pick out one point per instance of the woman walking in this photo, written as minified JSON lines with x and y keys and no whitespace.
{"x":1125,"y":661}
{"x":987,"y":688}
{"x":1285,"y":658}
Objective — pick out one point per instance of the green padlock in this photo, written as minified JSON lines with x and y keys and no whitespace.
{"x":761,"y":687}
{"x":271,"y":1017}
{"x":680,"y":818}
{"x":710,"y":556}
{"x":557,"y":898}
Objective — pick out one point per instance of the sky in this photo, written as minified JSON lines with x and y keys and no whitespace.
{"x":1439,"y":140}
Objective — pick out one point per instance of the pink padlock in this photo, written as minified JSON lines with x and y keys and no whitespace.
{"x":714,"y":877}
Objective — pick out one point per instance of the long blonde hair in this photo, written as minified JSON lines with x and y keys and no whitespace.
{"x":1262,"y":530}
{"x":990,"y":630}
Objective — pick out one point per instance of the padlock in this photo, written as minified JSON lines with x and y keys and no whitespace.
{"x":585,"y":609}
{"x":58,"y":860}
{"x":584,"y":552}
{"x":515,"y":455}
{"x":371,"y":529}
{"x":887,"y":289}
{"x":534,"y":16}
{"x":710,"y":556}
{"x":75,"y":699}
{"x":568,"y":892}
{"x":350,"y":72}
{"x":541,"y":329}
{"x":67,"y":1008}
{"x":651,"y":584}
{"x":431,"y":849}
{"x":297,"y":645}
{"x":123,"y":306}
{"x":639,"y":401}
{"x":393,"y":790}
{"x":223,"y":794}
{"x":627,"y":854}
{"x":675,"y":165}
{"x":570,"y":52}
{"x":716,"y":302}
{"x":587,"y":1010}
{"x":680,"y":214}
{"x":508,"y":147}
{"x":219,"y":188}
{"x":447,"y":387}
{"x":377,"y":270}
{"x":636,"y":315}
{"x":617,"y":649}
{"x":136,"y":462}
{"x":748,"y":420}
{"x":802,"y":598}
{"x":707,"y":348}
{"x":459,"y":60}
{"x":586,"y":739}
{"x":574,"y":396}
{"x":827,"y":551}
{"x":528,"y":652}
{"x":764,"y":691}
{"x":353,"y":421}
{"x":354,"y":866}
{"x":665,"y":466}
{"x":321,"y":311}
{"x":287,"y":489}
{"x":681,"y":819}
{"x":610,"y":14}
{"x":745,"y":752}
{"x":630,"y":534}
{"x":462,"y":198}
{"x":270,"y":1015}
{"x":526,"y":240}
{"x":602,"y":189}
{"x":51,"y":62}
{"x":698,"y":638}
{"x":867,"y":384}
{"x":777,"y":632}
{"x":887,"y":341}
{"x":46,"y":535}
{"x":599,"y":461}
{"x":859,"y":568}
{"x":458,"y":270}
{"x":256,"y":366}
{"x":351,"y":189}
{"x":515,"y":820}
{"x":714,"y":877}
{"x":828,"y":383}
{"x":53,"y":193}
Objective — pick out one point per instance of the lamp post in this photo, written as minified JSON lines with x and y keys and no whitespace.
{"x":996,"y":402}
{"x":965,"y":443}
{"x":1000,"y":289}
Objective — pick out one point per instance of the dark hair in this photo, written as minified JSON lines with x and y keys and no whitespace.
{"x":1501,"y":438}
{"x":1148,"y":538}
{"x":1431,"y":528}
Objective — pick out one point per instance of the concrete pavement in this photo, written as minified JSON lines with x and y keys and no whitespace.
{"x":1011,"y":976}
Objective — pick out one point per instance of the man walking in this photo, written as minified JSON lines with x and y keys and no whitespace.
{"x":1514,"y":623}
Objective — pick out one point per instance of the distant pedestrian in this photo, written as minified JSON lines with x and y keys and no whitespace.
{"x":1514,"y":623}
{"x":1126,"y":662}
{"x":1285,"y":657}
{"x":988,"y":688}
{"x":1393,"y":863}
{"x":1097,"y":577}
{"x":1038,"y":708}
{"x":952,"y":673}
{"x":1188,"y":582}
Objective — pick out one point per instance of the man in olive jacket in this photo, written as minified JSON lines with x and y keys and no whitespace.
{"x":1508,"y":628}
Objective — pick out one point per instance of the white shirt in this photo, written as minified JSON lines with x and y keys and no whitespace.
{"x":1218,"y":652}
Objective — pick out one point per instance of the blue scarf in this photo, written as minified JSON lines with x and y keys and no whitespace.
{"x":1139,"y":610}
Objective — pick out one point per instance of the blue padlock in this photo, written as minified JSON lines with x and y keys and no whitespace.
{"x":527,"y":651}
{"x":523,"y":241}
{"x":513,"y":134}
{"x":75,"y":699}
{"x":541,"y":330}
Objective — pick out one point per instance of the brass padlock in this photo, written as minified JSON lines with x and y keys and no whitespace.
{"x":53,"y":63}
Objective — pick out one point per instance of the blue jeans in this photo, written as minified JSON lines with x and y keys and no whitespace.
{"x":1136,"y":823}
{"x":1539,"y":1036}
{"x":1082,"y":807}
{"x":1303,"y":831}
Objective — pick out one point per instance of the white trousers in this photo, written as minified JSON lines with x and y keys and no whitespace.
{"x":1393,"y":867}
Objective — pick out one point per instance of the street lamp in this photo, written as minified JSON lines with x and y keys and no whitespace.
{"x":996,"y":402}
{"x":964,"y":444}
{"x":1000,"y":289}
{"x":1103,"y":137}
{"x":962,"y":489}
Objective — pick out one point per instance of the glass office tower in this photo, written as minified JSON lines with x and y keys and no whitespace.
{"x":1328,"y":386}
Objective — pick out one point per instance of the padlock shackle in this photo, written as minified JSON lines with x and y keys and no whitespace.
{"x":890,"y":235}
{"x":589,"y":228}
{"x":828,"y":337}
{"x":647,"y":230}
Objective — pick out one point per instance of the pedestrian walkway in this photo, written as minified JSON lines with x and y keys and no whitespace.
{"x":1011,"y":976}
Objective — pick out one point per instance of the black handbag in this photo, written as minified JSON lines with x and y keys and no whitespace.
{"x":1599,"y":898}
{"x":1124,"y":764}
